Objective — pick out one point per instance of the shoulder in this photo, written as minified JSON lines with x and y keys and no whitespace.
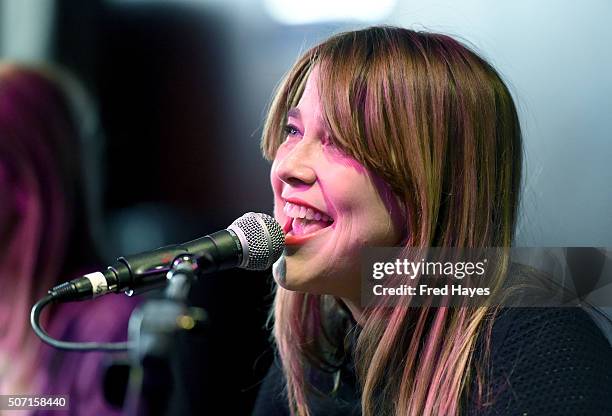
{"x":520,"y":330}
{"x":548,"y":361}
{"x":272,"y":397}
{"x":559,"y":324}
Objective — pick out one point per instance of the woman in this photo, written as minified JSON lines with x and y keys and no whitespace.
{"x":46,"y":238}
{"x":390,"y":137}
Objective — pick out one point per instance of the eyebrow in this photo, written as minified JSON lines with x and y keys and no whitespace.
{"x":294,"y":112}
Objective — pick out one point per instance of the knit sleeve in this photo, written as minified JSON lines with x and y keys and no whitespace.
{"x":546,"y":361}
{"x":272,"y":398}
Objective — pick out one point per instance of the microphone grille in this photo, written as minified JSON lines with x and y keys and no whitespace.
{"x":262,"y":240}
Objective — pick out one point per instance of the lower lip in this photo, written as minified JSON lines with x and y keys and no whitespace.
{"x":296,"y":240}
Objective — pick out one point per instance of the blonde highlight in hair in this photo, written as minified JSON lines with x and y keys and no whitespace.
{"x":438,"y":124}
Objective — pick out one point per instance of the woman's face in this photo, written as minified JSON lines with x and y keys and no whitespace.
{"x":329,"y":205}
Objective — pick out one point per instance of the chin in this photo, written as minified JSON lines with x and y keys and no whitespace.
{"x":293,"y":275}
{"x":296,"y":278}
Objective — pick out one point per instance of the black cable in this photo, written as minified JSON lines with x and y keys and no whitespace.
{"x":64,"y":345}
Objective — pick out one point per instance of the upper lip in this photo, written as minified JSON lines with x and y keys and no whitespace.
{"x":298,"y":201}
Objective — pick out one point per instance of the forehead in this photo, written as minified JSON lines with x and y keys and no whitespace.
{"x":312,"y":84}
{"x":309,"y":105}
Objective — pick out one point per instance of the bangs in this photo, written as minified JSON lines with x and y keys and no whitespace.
{"x":343,"y":93}
{"x":367,"y":87}
{"x":287,"y":96}
{"x":365,"y":94}
{"x":342,"y":90}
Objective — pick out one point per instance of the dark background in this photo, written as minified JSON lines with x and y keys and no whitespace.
{"x":159,"y":74}
{"x":174,"y":168}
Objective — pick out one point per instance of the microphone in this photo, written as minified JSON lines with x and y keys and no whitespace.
{"x":253,"y":242}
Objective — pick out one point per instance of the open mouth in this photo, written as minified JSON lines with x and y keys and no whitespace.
{"x":303,"y":221}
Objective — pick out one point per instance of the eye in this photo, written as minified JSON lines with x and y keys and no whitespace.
{"x":291,"y":130}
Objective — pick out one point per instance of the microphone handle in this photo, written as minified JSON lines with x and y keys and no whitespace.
{"x":145,"y":271}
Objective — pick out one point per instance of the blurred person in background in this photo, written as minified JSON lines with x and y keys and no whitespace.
{"x":46,"y":238}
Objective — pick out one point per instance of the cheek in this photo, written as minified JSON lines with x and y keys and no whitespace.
{"x":368,"y":220}
{"x":349,"y":193}
{"x":392,"y":203}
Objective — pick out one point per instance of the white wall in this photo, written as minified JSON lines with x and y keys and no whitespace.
{"x":557,"y":57}
{"x":25,"y":29}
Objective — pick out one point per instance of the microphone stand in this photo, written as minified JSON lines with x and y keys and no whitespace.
{"x":152,"y":330}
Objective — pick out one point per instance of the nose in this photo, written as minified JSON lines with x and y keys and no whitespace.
{"x":296,"y":167}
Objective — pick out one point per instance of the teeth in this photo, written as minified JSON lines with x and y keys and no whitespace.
{"x":299,"y":211}
{"x":310,"y":214}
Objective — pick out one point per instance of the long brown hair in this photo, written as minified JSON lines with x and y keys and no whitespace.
{"x":438,"y":124}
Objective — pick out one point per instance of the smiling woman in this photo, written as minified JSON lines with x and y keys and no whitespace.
{"x":311,"y":176}
{"x":390,"y":137}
